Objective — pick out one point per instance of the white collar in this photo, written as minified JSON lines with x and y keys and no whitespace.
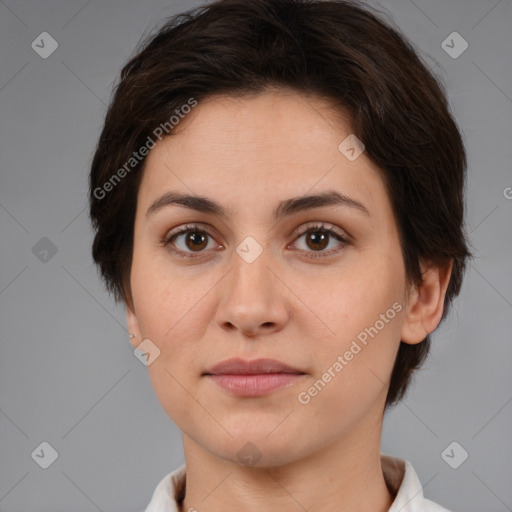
{"x":399,"y":475}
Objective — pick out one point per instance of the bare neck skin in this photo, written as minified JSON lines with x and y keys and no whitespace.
{"x":344,"y":477}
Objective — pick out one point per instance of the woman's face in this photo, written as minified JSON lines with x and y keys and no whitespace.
{"x":247,"y":285}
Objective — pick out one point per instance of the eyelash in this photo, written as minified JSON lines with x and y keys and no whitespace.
{"x":194,"y":228}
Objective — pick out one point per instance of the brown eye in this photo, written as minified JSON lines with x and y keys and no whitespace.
{"x":187,"y":241}
{"x":196,"y":240}
{"x":317,"y":238}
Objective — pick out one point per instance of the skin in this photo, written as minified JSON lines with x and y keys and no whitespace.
{"x":248,"y":154}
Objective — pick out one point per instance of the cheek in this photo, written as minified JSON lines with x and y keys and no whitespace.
{"x":343,"y":303}
{"x":165,"y":298}
{"x":360,"y":311}
{"x":169,"y":313}
{"x":352,"y":372}
{"x":172,"y":316}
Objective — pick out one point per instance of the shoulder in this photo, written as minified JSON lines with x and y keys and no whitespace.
{"x":168,"y":492}
{"x":404,"y":483}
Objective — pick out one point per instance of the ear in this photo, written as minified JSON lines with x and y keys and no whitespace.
{"x":426,"y":303}
{"x":133,"y":325}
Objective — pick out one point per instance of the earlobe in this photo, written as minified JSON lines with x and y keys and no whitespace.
{"x":426,"y":303}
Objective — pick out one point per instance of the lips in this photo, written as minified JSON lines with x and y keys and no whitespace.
{"x":255,"y":367}
{"x":252,"y":379}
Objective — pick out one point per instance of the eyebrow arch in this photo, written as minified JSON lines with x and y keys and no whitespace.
{"x":287,"y":207}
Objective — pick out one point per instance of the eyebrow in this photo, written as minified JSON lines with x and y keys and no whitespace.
{"x":286,"y":208}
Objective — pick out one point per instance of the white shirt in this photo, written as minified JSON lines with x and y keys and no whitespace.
{"x":399,"y":474}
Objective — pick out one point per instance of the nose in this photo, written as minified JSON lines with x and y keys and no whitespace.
{"x":252,"y":297}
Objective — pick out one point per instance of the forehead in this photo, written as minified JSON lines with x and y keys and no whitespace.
{"x":273,"y":118}
{"x":277,"y":142}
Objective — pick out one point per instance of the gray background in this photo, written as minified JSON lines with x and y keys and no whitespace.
{"x":68,"y":375}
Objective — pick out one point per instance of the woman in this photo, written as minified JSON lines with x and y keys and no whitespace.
{"x":277,"y":198}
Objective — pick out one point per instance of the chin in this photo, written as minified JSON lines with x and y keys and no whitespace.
{"x":258,"y":449}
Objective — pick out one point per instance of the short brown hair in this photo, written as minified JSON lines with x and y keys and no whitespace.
{"x":336,"y":49}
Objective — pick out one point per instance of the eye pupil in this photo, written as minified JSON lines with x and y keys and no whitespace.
{"x":198,"y":240}
{"x":318,"y":237}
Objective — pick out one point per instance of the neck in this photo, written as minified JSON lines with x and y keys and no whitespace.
{"x":346,"y":476}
